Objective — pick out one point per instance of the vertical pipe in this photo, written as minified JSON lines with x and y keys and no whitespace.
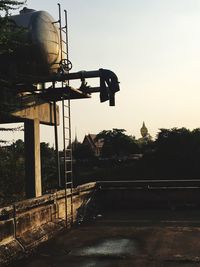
{"x":56,"y":145}
{"x":60,"y":28}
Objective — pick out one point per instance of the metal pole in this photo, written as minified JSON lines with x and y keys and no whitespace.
{"x":59,"y":20}
{"x":56,"y":145}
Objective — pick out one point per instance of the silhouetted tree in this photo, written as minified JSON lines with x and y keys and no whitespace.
{"x":177,"y":152}
{"x":12,"y":171}
{"x":117,"y":143}
{"x":9,"y":34}
{"x":48,"y":167}
{"x":82,"y":151}
{"x":10,"y":40}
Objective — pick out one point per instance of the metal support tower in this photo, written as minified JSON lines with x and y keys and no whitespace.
{"x":60,"y":90}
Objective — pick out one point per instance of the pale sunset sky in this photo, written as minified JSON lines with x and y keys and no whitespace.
{"x":154,"y":48}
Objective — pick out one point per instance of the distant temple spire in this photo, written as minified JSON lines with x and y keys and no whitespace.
{"x":75,"y":142}
{"x":76,"y":139}
{"x":144,"y":130}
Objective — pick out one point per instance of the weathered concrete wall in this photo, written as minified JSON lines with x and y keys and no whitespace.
{"x":26,"y":224}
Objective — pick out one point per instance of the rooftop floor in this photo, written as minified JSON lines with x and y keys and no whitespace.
{"x":125,"y":238}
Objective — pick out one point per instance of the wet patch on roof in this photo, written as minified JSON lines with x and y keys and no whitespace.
{"x":115,"y":247}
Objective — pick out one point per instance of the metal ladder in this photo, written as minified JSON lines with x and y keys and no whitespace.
{"x":67,"y":136}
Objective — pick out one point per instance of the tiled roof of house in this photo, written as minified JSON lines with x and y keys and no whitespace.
{"x":91,"y":139}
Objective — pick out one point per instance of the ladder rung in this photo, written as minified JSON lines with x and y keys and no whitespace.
{"x":69,"y":215}
{"x":68,"y":160}
{"x":66,"y":117}
{"x":64,"y":52}
{"x":68,"y":183}
{"x":68,"y":172}
{"x":69,"y":193}
{"x":66,"y":106}
{"x":64,"y":42}
{"x":69,"y":218}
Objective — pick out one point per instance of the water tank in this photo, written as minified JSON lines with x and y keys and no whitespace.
{"x":40,"y":53}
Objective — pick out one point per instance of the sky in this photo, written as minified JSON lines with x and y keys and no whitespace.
{"x":154,"y":48}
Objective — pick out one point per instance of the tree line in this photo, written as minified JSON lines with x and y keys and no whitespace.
{"x":174,"y":154}
{"x":115,"y":144}
{"x":12,"y":171}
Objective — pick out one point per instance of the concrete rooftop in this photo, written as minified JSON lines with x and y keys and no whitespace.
{"x":166,"y":237}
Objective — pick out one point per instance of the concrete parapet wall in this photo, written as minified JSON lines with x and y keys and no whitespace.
{"x":149,"y":194}
{"x":26,"y":224}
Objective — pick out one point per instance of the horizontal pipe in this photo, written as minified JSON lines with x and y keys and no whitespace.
{"x":62,"y":77}
{"x":69,"y":76}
